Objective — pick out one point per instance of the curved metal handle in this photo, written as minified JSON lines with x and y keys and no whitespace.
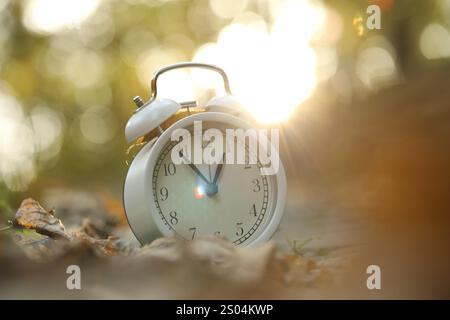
{"x":180,"y":65}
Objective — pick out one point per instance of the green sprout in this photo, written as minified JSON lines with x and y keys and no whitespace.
{"x":297,"y":246}
{"x":9,"y":226}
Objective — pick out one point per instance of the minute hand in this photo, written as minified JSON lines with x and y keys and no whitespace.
{"x":218,"y":170}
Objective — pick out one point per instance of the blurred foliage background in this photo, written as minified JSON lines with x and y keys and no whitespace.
{"x":69,"y":69}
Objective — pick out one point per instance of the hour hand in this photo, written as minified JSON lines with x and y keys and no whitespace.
{"x":194,"y":168}
{"x":198,"y":172}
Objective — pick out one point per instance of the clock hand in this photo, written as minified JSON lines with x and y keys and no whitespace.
{"x":211,"y":188}
{"x":216,"y":175}
{"x":209,"y":165}
{"x":218,"y":170}
{"x":195,"y":169}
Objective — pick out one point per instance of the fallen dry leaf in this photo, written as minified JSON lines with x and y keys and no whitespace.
{"x":31,"y":215}
{"x":110,"y":246}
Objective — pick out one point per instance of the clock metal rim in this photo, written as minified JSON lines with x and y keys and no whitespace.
{"x":137,"y":212}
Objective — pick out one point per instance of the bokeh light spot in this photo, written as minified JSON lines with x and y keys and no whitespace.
{"x":435,"y":41}
{"x":52,"y":16}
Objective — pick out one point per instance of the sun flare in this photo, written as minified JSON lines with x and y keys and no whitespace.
{"x":272,"y":68}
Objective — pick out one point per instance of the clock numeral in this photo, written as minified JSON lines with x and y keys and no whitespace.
{"x":193,"y":231}
{"x":253,"y":210}
{"x":169,"y":169}
{"x":164,"y":193}
{"x":239,"y":229}
{"x":173,"y":217}
{"x":256,"y":185}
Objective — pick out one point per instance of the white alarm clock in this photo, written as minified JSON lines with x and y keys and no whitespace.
{"x":237,"y":201}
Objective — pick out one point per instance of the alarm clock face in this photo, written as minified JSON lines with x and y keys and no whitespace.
{"x":232,"y":200}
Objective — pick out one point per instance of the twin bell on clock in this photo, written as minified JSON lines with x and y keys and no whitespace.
{"x":190,"y":199}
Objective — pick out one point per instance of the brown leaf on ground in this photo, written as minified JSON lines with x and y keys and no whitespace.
{"x":110,"y":246}
{"x":31,"y":215}
{"x":94,"y":228}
